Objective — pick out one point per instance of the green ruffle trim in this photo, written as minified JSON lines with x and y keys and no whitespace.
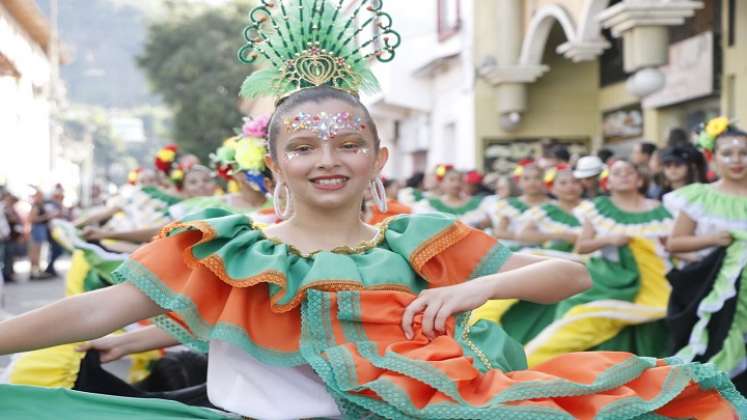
{"x":732,"y":352}
{"x":606,"y":208}
{"x":492,"y":262}
{"x":517,"y":204}
{"x":334,"y":364}
{"x":557,"y":214}
{"x":442,"y":207}
{"x":704,"y":202}
{"x":160,"y":195}
{"x":246,"y":254}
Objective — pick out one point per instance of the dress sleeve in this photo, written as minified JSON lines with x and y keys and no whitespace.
{"x":192,"y":271}
{"x":444,"y":251}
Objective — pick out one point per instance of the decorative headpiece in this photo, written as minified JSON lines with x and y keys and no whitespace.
{"x":176,"y":175}
{"x":314,"y":43}
{"x":552,"y":173}
{"x":604,"y":178}
{"x":711,"y":131}
{"x":520,"y":165}
{"x":442,"y":169}
{"x":166,"y":157}
{"x":133,"y":175}
{"x":244,"y":153}
{"x":474,"y":177}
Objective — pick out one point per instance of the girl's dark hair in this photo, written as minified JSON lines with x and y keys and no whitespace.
{"x":416,"y":180}
{"x":694,"y":160}
{"x":678,"y":137}
{"x":731,"y":131}
{"x":314,"y":95}
{"x":605,"y":154}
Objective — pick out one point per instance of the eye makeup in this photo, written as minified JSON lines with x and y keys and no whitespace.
{"x":341,"y":146}
{"x":323,"y":125}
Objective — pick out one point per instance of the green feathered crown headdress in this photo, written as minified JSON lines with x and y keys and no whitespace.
{"x":313,"y":43}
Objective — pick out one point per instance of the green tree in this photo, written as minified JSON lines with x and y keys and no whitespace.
{"x":190,"y":60}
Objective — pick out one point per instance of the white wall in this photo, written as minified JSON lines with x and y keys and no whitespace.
{"x":426,"y":102}
{"x":24,"y":109}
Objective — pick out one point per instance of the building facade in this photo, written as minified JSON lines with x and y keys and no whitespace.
{"x":426,"y":107}
{"x":24,"y":104}
{"x":481,"y":83}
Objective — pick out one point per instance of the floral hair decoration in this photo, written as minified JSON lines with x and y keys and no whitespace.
{"x":133,"y":176}
{"x":711,"y":131}
{"x":520,"y":165}
{"x":552,"y":173}
{"x":442,"y":169}
{"x":245,"y":154}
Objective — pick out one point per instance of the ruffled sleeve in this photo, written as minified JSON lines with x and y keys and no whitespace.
{"x":706,"y":205}
{"x":223,"y":279}
{"x":216,"y":275}
{"x":443,"y":250}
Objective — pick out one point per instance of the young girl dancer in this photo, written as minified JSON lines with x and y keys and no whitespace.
{"x":707,"y":309}
{"x":554,"y":228}
{"x":343,"y":318}
{"x":554,"y":225}
{"x":453,"y":201}
{"x":630,"y":290}
{"x":509,"y":210}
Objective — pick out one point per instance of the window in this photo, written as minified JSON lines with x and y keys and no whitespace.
{"x":449,"y":18}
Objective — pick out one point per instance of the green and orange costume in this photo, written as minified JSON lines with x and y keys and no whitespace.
{"x":339,"y":312}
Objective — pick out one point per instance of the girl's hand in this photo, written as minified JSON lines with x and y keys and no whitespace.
{"x":722,"y":239}
{"x":91,"y":233}
{"x":438,"y":304}
{"x":111,"y":348}
{"x":618,"y":240}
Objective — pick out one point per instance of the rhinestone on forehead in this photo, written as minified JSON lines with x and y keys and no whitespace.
{"x":325,"y":126}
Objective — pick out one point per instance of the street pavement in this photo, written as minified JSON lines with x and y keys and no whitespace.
{"x":24,"y":295}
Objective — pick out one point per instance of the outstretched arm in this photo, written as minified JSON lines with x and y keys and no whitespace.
{"x":137,"y":236}
{"x":97,"y":217}
{"x":114,"y":347}
{"x":524,"y":277}
{"x":77,"y":318}
{"x":683,"y":238}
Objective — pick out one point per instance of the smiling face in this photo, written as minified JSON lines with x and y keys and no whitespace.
{"x":328,"y":162}
{"x":566,"y":187}
{"x":675,"y":171}
{"x":198,"y":182}
{"x":147,"y":178}
{"x":531,"y":182}
{"x":624,"y":177}
{"x":503,"y":187}
{"x":453,"y":183}
{"x":731,"y":158}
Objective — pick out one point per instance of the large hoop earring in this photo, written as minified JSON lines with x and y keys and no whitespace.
{"x":378,"y":194}
{"x":282,"y":213}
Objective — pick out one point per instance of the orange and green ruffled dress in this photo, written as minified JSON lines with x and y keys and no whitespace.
{"x":338,"y":314}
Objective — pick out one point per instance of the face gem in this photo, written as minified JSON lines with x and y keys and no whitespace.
{"x":325,"y":126}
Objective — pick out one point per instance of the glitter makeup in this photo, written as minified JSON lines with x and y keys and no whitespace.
{"x":733,"y":151}
{"x":325,"y":126}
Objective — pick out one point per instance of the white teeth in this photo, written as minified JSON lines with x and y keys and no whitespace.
{"x":330,"y":181}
